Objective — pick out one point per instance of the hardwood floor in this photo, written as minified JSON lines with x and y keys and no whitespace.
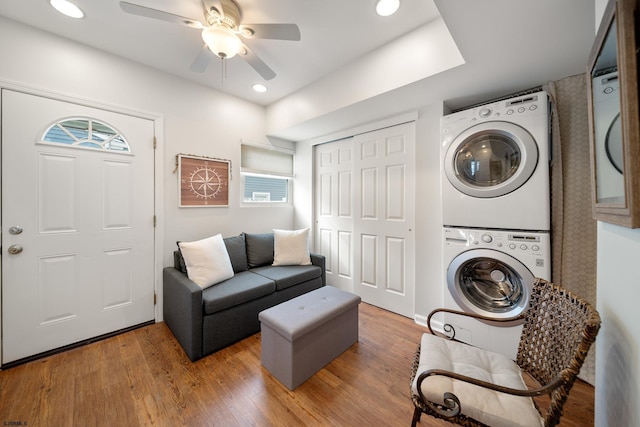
{"x":144,"y":378}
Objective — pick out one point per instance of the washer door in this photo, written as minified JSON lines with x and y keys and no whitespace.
{"x":491,"y":159}
{"x":490,"y":283}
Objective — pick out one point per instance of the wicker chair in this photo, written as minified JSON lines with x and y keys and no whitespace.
{"x":559,"y":328}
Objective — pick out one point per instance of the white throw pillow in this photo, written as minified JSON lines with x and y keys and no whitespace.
{"x":207,"y":261}
{"x":291,"y":247}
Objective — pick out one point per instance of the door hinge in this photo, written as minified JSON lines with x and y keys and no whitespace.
{"x":155,"y":142}
{"x":155,"y":298}
{"x":155,"y":221}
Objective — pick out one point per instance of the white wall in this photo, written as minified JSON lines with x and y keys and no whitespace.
{"x":429,"y":269}
{"x":192,"y":120}
{"x":303,"y":186}
{"x":618,"y":342}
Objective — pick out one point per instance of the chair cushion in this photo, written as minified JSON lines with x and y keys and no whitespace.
{"x":487,"y":406}
{"x":287,"y":276}
{"x":243,"y":287}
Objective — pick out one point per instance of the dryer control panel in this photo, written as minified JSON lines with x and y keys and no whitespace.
{"x":510,"y":109}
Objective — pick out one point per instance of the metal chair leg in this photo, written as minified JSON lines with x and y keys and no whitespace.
{"x":416,"y":417}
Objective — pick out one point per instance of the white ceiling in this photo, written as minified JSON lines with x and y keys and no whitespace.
{"x":507,"y":46}
{"x":333,"y":32}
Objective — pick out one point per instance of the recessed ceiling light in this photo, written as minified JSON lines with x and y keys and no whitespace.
{"x":67,"y":8}
{"x":258,"y":87}
{"x":387,"y":7}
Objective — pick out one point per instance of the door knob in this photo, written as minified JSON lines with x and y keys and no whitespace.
{"x":16,"y":229}
{"x":15,"y":249}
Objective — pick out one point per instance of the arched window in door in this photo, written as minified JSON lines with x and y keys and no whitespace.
{"x":86,"y":133}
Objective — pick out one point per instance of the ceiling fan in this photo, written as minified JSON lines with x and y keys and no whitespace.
{"x":222,"y":31}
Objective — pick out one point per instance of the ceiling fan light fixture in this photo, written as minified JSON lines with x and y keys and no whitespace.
{"x":67,"y":8}
{"x":222,"y":41}
{"x":387,"y":7}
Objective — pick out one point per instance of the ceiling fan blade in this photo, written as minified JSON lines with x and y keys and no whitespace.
{"x":202,"y":61}
{"x":258,"y":64}
{"x":148,"y":12}
{"x":271,"y":31}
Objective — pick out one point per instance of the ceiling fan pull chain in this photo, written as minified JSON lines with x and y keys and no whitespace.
{"x":223,"y":71}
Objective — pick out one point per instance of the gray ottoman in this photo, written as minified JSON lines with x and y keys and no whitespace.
{"x":302,"y":335}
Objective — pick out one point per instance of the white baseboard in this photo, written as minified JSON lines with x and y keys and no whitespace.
{"x":436,"y":325}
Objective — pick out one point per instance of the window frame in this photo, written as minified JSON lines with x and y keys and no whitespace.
{"x":81,"y":143}
{"x":263,"y":151}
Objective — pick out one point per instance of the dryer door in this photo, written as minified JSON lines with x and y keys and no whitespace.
{"x":491,"y":159}
{"x":490,"y":283}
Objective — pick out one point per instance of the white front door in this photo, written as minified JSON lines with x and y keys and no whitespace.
{"x":365,"y":190}
{"x":77,"y":224}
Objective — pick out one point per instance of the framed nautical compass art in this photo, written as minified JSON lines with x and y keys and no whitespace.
{"x":203,"y":181}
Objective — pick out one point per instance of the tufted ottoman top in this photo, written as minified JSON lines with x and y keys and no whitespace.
{"x":297,"y":317}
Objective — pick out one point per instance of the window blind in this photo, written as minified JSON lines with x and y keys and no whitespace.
{"x":266,"y":161}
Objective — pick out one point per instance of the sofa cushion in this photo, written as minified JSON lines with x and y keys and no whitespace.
{"x":291,"y":247}
{"x":178,"y":261}
{"x":259,"y":249}
{"x":243,"y":287}
{"x":237,"y":252}
{"x":287,"y":276}
{"x":207,"y":261}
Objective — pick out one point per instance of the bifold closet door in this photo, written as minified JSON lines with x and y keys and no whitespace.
{"x":365,"y":221}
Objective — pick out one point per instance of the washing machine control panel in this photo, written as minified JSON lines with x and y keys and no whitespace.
{"x":505,"y":241}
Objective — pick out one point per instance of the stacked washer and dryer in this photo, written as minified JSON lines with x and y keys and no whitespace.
{"x":496,"y":214}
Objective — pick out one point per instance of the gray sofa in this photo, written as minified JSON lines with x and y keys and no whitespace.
{"x":207,"y":320}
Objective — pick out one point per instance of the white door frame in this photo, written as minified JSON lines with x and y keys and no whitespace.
{"x":158,"y":123}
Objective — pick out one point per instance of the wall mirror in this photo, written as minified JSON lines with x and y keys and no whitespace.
{"x":614,"y":121}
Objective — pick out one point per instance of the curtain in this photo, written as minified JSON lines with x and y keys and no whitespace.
{"x":573,"y":230}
